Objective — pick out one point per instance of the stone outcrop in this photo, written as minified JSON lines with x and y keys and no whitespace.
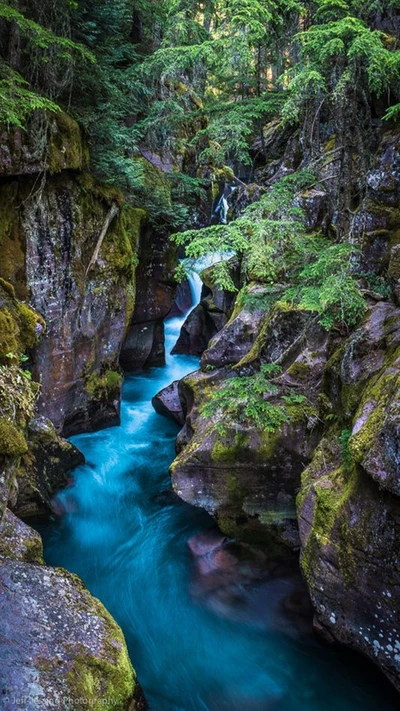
{"x":168,"y":403}
{"x":70,"y":651}
{"x":50,"y":226}
{"x":209,"y":316}
{"x":349,"y":506}
{"x":44,"y":469}
{"x":247,"y":477}
{"x":59,"y":645}
{"x":155,"y":285}
{"x":337,"y":456}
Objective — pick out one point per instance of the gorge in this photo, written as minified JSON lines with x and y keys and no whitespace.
{"x":199,"y":355}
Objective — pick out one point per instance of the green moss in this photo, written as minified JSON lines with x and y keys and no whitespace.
{"x":330,"y":486}
{"x":224,"y":174}
{"x":121,"y":245}
{"x":18,"y":324}
{"x":378,"y":395}
{"x":12,"y":441}
{"x":9,"y":332}
{"x":12,"y":239}
{"x":104,"y":385}
{"x":103,"y":191}
{"x":106,"y":682}
{"x":229,"y":451}
{"x":7,"y":287}
{"x":300,"y":370}
{"x":66,"y":148}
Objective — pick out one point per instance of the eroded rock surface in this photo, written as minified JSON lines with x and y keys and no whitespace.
{"x":71,"y":654}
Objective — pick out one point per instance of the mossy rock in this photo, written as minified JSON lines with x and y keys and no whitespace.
{"x":19,"y":325}
{"x":12,"y":441}
{"x":66,"y":149}
{"x":104,"y":385}
{"x":63,"y":638}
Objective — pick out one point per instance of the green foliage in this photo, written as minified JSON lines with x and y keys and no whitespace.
{"x":327,"y":284}
{"x":347,"y":457}
{"x":341,"y":54}
{"x":18,"y":395}
{"x":271,"y":239}
{"x":247,"y":399}
{"x":17,"y":101}
{"x":43,"y":38}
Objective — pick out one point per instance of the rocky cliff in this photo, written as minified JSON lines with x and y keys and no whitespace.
{"x":59,"y":645}
{"x":325,"y":478}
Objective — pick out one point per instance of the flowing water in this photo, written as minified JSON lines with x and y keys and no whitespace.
{"x":125,"y":534}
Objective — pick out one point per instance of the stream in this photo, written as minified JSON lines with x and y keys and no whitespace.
{"x":125,"y":533}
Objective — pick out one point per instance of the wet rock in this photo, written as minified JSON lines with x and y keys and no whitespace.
{"x":349,"y":531}
{"x":167,"y":402}
{"x":143,"y":346}
{"x":155,"y":296}
{"x":235,"y":340}
{"x":44,"y":471}
{"x":18,"y":541}
{"x":46,"y":247}
{"x":59,"y":643}
{"x":208,"y":317}
{"x":349,"y":505}
{"x":198,"y":329}
{"x":183,"y":299}
{"x":246,"y":477}
{"x":241,"y":583}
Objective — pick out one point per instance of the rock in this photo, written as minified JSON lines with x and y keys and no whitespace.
{"x":208,"y":317}
{"x":18,"y":541}
{"x":61,"y":141}
{"x":167,"y":402}
{"x":375,"y":441}
{"x":59,"y":643}
{"x":377,"y":221}
{"x":246,"y":477}
{"x":350,"y":530}
{"x":196,"y":332}
{"x":44,"y":471}
{"x":155,"y":284}
{"x":349,"y":506}
{"x":235,"y":340}
{"x":46,"y":246}
{"x":183,"y":300}
{"x":314,"y":204}
{"x":143,"y":346}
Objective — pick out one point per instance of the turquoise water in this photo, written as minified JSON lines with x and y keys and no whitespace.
{"x":127,"y":539}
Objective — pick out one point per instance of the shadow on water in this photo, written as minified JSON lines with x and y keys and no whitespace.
{"x":126,"y":535}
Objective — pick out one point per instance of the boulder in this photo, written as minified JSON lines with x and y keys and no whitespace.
{"x":167,"y":402}
{"x":44,"y":471}
{"x":209,"y":316}
{"x":60,"y":647}
{"x":18,"y":541}
{"x":349,"y":529}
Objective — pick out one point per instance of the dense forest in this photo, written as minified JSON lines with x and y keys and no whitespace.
{"x":199,"y":209}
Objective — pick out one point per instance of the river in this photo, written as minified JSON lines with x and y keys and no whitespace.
{"x":125,"y":534}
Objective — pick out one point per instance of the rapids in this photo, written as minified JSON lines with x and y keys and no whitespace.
{"x":125,"y":533}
